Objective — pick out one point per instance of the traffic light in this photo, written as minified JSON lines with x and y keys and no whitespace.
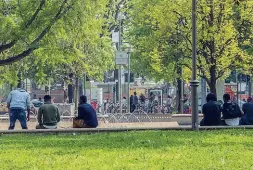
{"x":46,"y":89}
{"x":231,"y":77}
{"x":131,"y":77}
{"x":114,"y":89}
{"x":243,"y":78}
{"x":116,"y":74}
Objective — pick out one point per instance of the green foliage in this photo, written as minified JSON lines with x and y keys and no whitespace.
{"x":161,"y":36}
{"x":224,"y":149}
{"x":75,"y":42}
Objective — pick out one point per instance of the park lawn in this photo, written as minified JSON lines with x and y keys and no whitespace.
{"x":220,"y":149}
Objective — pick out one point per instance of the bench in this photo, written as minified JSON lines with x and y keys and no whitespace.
{"x":184,"y":119}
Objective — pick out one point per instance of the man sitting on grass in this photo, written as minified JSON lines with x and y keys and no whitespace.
{"x":87,"y":117}
{"x":231,"y":112}
{"x":211,"y":111}
{"x":247,"y":108}
{"x":48,"y":115}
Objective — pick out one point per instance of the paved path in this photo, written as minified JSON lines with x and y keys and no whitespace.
{"x":68,"y":124}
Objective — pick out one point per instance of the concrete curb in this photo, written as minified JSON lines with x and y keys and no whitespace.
{"x":99,"y":130}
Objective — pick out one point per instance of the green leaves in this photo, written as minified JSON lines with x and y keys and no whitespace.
{"x":72,"y":39}
{"x":161,"y":36}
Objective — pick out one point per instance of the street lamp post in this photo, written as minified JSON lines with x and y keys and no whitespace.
{"x":128,"y":80}
{"x":194,"y":82}
{"x":120,"y":18}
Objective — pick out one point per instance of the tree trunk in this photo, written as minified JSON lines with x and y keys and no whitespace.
{"x":70,"y":93}
{"x":179,"y":91}
{"x":178,"y":94}
{"x":212,"y":83}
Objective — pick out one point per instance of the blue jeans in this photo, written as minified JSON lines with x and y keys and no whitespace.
{"x":20,"y":114}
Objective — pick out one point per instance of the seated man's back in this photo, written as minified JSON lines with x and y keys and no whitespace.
{"x":247,"y":118}
{"x":87,"y":114}
{"x":48,"y":115}
{"x":211,"y":111}
{"x":212,"y":114}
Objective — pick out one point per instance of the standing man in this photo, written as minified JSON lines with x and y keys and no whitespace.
{"x":48,"y":115}
{"x":131,"y":103}
{"x":18,"y":103}
{"x":135,"y":101}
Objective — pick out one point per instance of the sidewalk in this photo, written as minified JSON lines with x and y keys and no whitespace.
{"x":68,"y":124}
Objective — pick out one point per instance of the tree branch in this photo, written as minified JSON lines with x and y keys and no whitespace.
{"x":29,"y":22}
{"x":225,"y":45}
{"x":7,"y":46}
{"x":34,"y":44}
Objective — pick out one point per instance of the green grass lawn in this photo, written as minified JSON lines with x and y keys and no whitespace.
{"x":225,"y":149}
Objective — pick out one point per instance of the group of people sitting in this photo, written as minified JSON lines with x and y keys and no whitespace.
{"x":18,"y":103}
{"x":229,"y":113}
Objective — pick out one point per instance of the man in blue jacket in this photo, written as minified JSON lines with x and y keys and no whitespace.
{"x":18,"y":103}
{"x":87,"y":117}
{"x":247,"y":108}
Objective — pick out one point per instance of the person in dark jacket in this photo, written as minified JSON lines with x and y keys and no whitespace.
{"x":131,"y":103}
{"x":211,"y":111}
{"x":247,"y":108}
{"x":231,"y":112}
{"x":87,"y":117}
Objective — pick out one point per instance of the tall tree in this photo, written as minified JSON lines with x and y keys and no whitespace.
{"x":54,"y":36}
{"x":161,"y":35}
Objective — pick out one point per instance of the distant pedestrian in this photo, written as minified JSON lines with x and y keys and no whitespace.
{"x":169,"y":101}
{"x":142,"y":98}
{"x":18,"y":103}
{"x":231,"y":112}
{"x":124,"y":101}
{"x":151,"y":102}
{"x":211,"y":111}
{"x":135,"y":100}
{"x":131,"y":103}
{"x":247,"y":108}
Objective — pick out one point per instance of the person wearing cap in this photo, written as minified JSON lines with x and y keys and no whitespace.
{"x":18,"y":103}
{"x":247,"y":108}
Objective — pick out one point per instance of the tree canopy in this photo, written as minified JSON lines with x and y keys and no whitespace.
{"x":65,"y":36}
{"x":161,"y":36}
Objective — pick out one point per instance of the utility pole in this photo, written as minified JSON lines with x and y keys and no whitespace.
{"x":203,"y":91}
{"x":84,"y":84}
{"x":120,"y":74}
{"x":194,"y":82}
{"x":182,"y":93}
{"x":49,"y":87}
{"x":128,"y":78}
{"x":249,"y":84}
